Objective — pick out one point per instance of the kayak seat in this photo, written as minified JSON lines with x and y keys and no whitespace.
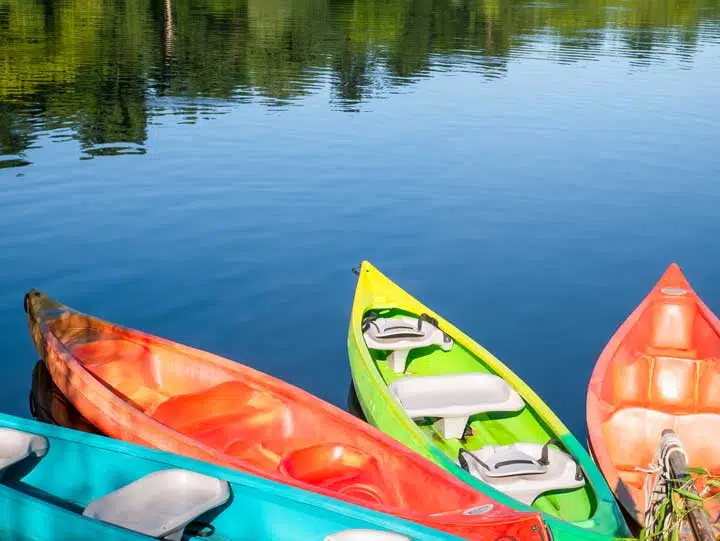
{"x":190,"y":412}
{"x":362,"y":534}
{"x":523,"y":470}
{"x":399,"y":335}
{"x":17,"y":445}
{"x":454,"y":398}
{"x":160,"y":504}
{"x":232,"y":433}
{"x":336,"y":467}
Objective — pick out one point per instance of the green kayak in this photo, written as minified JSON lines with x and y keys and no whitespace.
{"x":427,"y":384}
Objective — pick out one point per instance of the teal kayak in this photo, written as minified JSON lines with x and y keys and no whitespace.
{"x":60,"y":483}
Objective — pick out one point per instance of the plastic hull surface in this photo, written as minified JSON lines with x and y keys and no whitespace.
{"x":144,"y":389}
{"x":661,"y":369}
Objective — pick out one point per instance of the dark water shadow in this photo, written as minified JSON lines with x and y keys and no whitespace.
{"x":353,"y":403}
{"x":49,"y":405}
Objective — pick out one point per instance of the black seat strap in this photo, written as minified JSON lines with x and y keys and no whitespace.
{"x":545,"y":459}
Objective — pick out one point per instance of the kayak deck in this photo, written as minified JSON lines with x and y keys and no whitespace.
{"x":490,"y":428}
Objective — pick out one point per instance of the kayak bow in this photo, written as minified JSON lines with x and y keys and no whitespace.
{"x":660,"y":370}
{"x":430,"y":386}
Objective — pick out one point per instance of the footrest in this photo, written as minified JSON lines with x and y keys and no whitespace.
{"x":454,"y":398}
{"x":162,"y":503}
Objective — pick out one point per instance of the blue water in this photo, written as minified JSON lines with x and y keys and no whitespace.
{"x":532,"y":196}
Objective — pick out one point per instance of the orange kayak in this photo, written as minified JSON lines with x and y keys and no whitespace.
{"x":659,"y":371}
{"x":148,"y":390}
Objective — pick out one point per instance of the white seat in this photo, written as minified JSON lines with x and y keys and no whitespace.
{"x":160,"y":504}
{"x":16,"y":445}
{"x":362,"y":534}
{"x":454,"y":398}
{"x":523,"y":470}
{"x":399,"y":335}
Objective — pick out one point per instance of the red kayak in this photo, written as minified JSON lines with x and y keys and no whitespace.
{"x":148,"y":390}
{"x":659,"y":371}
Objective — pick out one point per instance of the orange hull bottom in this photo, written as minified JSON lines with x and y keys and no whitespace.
{"x":660,"y":370}
{"x":158,"y":393}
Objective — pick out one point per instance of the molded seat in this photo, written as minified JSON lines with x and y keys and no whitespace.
{"x":454,"y":398}
{"x":16,"y":445}
{"x":337,"y":467}
{"x":523,"y":470}
{"x":162,"y":503}
{"x":183,"y":412}
{"x":363,"y":534}
{"x":399,"y":335}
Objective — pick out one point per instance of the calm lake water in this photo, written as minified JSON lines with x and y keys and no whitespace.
{"x":211,"y":170}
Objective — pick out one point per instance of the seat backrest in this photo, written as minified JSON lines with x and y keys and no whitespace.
{"x":161,"y":503}
{"x":16,"y":445}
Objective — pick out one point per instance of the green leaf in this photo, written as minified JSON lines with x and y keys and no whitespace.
{"x":689,"y":495}
{"x":660,"y":515}
{"x":699,"y":471}
{"x":713,"y":483}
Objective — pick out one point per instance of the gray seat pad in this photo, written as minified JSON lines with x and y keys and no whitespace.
{"x":524,"y":470}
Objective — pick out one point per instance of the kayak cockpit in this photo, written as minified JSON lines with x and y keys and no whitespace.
{"x":663,"y":375}
{"x":160,"y":504}
{"x":473,"y":414}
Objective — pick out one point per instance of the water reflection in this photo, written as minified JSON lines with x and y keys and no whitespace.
{"x":103,"y":67}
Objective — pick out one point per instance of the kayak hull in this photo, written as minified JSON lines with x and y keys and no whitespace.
{"x":375,"y":293}
{"x":147,"y":390}
{"x":92,"y":466}
{"x":660,"y":370}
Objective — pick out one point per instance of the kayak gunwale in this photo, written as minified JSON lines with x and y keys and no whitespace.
{"x":373,"y":395}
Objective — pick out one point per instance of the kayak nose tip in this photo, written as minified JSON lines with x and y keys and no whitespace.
{"x":28,"y":299}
